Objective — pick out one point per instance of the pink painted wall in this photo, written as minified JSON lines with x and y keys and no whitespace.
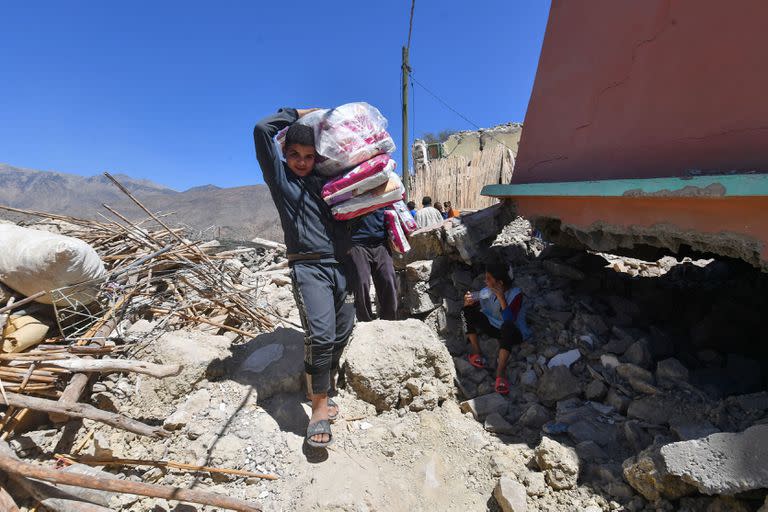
{"x":648,"y":88}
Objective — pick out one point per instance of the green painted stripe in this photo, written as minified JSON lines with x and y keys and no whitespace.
{"x":735,"y":185}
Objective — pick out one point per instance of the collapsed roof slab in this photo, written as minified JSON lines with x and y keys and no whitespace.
{"x":724,"y":215}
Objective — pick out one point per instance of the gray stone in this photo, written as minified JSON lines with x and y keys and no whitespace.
{"x":496,"y":423}
{"x":510,"y":495}
{"x":647,"y":474}
{"x":535,"y":483}
{"x":529,"y":378}
{"x":617,"y":345}
{"x":652,"y":410}
{"x":596,"y":390}
{"x":728,"y":504}
{"x":638,"y":353}
{"x":637,"y":438}
{"x":483,"y":406}
{"x":90,"y":495}
{"x":631,"y":371}
{"x":592,"y":430}
{"x":535,"y":416}
{"x":609,"y":361}
{"x":559,"y":463}
{"x":276,"y":363}
{"x":197,"y":404}
{"x":557,"y":384}
{"x":687,"y":429}
{"x":671,"y":370}
{"x":764,"y":508}
{"x":617,"y":400}
{"x":591,"y":451}
{"x":722,"y":463}
{"x":619,"y":490}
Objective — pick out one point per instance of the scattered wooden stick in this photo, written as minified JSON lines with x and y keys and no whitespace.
{"x":107,"y":365}
{"x":20,"y":303}
{"x":14,"y":466}
{"x":203,"y":321}
{"x":78,"y":410}
{"x":116,"y":461}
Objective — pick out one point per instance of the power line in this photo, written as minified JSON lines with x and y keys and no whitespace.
{"x":438,"y":98}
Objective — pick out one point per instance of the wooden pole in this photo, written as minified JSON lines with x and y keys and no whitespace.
{"x":78,"y":410}
{"x":406,"y":147}
{"x":12,"y":465}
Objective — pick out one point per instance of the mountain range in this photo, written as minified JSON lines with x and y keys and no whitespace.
{"x":238,"y":213}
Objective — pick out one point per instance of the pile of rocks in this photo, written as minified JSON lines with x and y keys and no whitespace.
{"x":631,"y":365}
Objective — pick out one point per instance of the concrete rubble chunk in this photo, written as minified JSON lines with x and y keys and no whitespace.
{"x":647,"y":474}
{"x":412,"y":370}
{"x":535,"y":416}
{"x":496,"y":423}
{"x":557,"y":384}
{"x":535,"y":483}
{"x":639,"y":354}
{"x":559,"y":463}
{"x":671,"y":370}
{"x":565,"y":358}
{"x":687,"y":429}
{"x":510,"y":495}
{"x":595,"y":390}
{"x":483,"y":406}
{"x":652,"y":410}
{"x":722,"y":463}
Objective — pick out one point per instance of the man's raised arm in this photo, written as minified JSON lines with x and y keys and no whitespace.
{"x":263,"y":138}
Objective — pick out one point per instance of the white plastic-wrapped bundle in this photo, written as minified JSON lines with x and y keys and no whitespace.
{"x":346,"y":136}
{"x":395,"y":231}
{"x":383,"y":195}
{"x":32,"y":261}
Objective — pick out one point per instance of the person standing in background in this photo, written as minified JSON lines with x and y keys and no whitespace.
{"x":369,"y":257}
{"x":412,"y":208}
{"x":428,"y":216}
{"x":450,"y":211}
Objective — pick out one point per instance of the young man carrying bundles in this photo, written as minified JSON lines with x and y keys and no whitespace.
{"x":314,"y":244}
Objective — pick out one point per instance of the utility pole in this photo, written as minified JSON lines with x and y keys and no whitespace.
{"x":406,"y":69}
{"x":406,"y":146}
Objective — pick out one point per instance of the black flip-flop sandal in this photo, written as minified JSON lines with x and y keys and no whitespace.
{"x":319,"y":427}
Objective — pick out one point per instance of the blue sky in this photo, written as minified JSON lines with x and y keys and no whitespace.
{"x":170,"y":91}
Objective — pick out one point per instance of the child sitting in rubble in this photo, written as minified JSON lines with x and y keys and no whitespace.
{"x":496,"y":311}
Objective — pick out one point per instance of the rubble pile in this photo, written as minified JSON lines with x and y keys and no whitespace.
{"x":643,"y":380}
{"x":642,"y":387}
{"x":155,"y":313}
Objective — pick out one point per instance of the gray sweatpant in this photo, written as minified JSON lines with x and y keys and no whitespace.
{"x":327,"y":314}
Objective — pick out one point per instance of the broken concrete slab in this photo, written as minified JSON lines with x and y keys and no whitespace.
{"x":687,"y":429}
{"x":559,"y":463}
{"x":722,"y":463}
{"x":647,"y":474}
{"x":565,"y":358}
{"x":483,"y":406}
{"x":557,"y":384}
{"x":671,"y":370}
{"x":510,"y":495}
{"x":496,"y":424}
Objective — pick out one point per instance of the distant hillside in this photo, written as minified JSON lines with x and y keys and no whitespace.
{"x":239,"y":213}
